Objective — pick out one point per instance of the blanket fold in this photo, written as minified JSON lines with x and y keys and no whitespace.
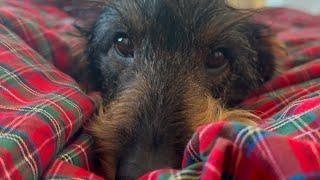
{"x":43,"y":110}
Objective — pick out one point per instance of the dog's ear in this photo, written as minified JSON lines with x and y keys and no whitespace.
{"x":263,"y":41}
{"x":85,"y":12}
{"x":84,"y":31}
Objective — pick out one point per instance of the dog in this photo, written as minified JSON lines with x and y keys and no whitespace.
{"x":166,"y":67}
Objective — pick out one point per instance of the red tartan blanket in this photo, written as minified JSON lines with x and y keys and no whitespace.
{"x":42,"y":109}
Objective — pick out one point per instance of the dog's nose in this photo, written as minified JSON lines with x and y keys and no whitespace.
{"x":131,"y":171}
{"x":127,"y":177}
{"x":131,"y":174}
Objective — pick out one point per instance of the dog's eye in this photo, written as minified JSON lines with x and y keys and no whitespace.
{"x":216,"y":62}
{"x":124,"y":46}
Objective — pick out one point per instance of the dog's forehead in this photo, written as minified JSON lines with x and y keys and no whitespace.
{"x":175,"y":22}
{"x":168,"y":14}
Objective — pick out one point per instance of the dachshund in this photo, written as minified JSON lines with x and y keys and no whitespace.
{"x":166,"y":67}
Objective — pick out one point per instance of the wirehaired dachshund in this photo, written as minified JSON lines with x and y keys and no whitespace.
{"x":164,"y":68}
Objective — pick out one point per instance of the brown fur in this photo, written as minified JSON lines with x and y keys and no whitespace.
{"x":201,"y":110}
{"x":156,"y":98}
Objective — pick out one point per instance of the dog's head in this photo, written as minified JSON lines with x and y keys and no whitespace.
{"x":162,"y":66}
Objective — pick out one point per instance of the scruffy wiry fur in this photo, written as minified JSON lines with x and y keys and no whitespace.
{"x":156,"y":99}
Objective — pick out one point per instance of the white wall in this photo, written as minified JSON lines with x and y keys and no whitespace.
{"x":311,"y":6}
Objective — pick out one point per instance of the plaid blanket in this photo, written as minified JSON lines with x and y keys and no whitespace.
{"x":43,"y":111}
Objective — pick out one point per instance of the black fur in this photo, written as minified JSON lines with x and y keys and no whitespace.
{"x":172,"y":40}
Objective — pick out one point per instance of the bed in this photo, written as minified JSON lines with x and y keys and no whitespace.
{"x":44,"y":113}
